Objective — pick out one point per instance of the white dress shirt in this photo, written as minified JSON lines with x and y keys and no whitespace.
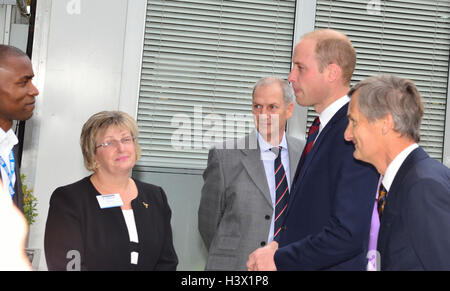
{"x":268,"y":157}
{"x":128,"y":214}
{"x":7,"y":141}
{"x":330,"y":111}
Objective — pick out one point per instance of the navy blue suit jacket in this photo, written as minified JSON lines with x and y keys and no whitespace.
{"x":328,"y":217}
{"x":415,"y":226}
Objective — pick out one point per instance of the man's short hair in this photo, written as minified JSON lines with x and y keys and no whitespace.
{"x":7,"y":51}
{"x":334,"y":47}
{"x":387,"y":94}
{"x":288,"y":93}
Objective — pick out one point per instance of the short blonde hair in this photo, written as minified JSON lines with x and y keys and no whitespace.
{"x":98,"y":124}
{"x":334,"y":47}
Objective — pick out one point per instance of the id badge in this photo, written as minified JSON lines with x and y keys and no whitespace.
{"x":109,"y":200}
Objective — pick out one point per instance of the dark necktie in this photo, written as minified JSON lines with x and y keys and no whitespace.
{"x":312,"y":134}
{"x":381,"y":202}
{"x":281,"y":190}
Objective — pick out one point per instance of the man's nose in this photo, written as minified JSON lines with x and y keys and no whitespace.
{"x":33,"y":90}
{"x":348,"y":136}
{"x":290,"y":76}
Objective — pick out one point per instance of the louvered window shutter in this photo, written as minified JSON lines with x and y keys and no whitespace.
{"x":200,"y":62}
{"x":410,"y":39}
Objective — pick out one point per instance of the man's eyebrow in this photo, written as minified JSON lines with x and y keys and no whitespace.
{"x":26,"y":77}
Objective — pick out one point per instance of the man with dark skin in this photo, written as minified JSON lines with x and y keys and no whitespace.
{"x":17,"y":102}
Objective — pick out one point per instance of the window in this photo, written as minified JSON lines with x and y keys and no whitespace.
{"x":200,"y":62}
{"x":410,"y":39}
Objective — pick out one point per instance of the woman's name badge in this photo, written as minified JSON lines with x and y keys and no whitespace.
{"x":109,"y":200}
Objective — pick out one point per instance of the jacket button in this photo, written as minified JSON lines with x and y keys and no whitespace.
{"x":267,"y":217}
{"x":263,"y":243}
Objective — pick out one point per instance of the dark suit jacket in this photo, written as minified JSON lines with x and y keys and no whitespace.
{"x":328,"y":220}
{"x":76,"y":222}
{"x":18,"y":194}
{"x":415,"y":226}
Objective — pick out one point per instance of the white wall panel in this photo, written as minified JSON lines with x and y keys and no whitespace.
{"x":78,"y":59}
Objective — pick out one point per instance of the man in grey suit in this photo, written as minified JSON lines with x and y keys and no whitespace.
{"x":242,"y":185}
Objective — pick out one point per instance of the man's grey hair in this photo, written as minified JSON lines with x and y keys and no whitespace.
{"x":288,"y":93}
{"x":388,"y":94}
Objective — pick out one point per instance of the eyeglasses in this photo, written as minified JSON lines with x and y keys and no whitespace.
{"x":115,"y":142}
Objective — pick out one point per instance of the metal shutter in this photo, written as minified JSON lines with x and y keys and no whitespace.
{"x":410,"y":39}
{"x":200,"y":62}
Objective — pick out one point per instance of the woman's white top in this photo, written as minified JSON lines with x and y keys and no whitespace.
{"x":128,"y":214}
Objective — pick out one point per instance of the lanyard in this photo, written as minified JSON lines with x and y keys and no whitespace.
{"x":11,"y":171}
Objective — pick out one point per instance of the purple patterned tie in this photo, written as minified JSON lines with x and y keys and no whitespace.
{"x":381,"y":200}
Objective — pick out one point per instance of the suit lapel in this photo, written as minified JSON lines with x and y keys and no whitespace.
{"x":341,"y":113}
{"x":294,"y":157}
{"x":392,"y":202}
{"x":408,"y":164}
{"x":251,"y":160}
{"x":414,"y":157}
{"x":254,"y":166}
{"x":18,"y":197}
{"x":338,"y":116}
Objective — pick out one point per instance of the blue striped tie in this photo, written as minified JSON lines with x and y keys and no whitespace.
{"x":282,"y":192}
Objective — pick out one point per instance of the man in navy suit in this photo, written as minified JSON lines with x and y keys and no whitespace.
{"x":384,"y":122}
{"x":328,"y":216}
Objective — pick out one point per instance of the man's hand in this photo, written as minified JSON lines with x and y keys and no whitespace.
{"x":262,"y":259}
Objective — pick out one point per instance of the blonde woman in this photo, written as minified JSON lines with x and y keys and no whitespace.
{"x":109,"y":221}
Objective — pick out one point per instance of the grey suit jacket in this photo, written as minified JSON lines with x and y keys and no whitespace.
{"x":235,"y":210}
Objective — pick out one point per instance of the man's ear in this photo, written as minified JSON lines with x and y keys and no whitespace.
{"x":387,"y":124}
{"x":290,"y":109}
{"x":334,"y":72}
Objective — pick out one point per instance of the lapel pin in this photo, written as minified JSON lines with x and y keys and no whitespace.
{"x":145,"y":204}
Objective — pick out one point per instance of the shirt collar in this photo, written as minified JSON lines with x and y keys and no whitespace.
{"x":7,"y":140}
{"x":331,"y":110}
{"x":395,"y":165}
{"x":264,"y":146}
